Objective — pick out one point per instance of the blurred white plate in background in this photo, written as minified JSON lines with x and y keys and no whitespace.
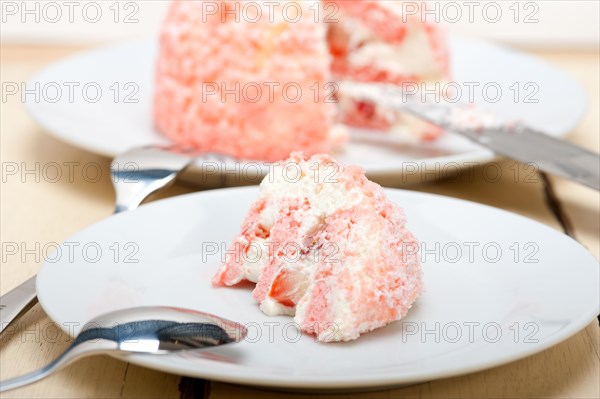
{"x":104,"y":105}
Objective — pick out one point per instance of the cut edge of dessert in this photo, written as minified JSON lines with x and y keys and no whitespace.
{"x":325,"y":245}
{"x":375,"y":41}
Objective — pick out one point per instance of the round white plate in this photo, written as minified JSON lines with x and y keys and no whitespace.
{"x":521,"y":289}
{"x":102,"y":101}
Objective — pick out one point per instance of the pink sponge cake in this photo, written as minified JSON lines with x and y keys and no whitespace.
{"x":250,"y":78}
{"x":325,"y":245}
{"x":387,"y":42}
{"x":246,"y":81}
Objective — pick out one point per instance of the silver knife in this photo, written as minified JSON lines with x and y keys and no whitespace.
{"x":512,"y":140}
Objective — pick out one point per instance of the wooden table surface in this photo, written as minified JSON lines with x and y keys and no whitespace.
{"x":45,"y":212}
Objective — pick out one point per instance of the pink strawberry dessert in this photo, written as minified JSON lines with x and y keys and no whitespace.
{"x":251,"y":78}
{"x":245,"y":80}
{"x":325,"y":245}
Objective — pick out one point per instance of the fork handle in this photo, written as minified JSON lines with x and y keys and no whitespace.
{"x":19,"y":300}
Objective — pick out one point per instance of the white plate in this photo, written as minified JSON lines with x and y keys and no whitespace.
{"x":549,"y":294}
{"x":110,"y":127}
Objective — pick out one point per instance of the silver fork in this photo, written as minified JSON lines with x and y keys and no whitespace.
{"x":136,"y":174}
{"x":141,"y":172}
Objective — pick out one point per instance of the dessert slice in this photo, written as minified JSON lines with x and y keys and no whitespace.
{"x":325,"y":245}
{"x":378,"y":41}
{"x":245,"y":79}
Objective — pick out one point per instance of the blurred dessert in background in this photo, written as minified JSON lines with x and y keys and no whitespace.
{"x":241,"y":84}
{"x":255,"y":80}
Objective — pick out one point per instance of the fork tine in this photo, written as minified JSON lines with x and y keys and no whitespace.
{"x":140,"y":172}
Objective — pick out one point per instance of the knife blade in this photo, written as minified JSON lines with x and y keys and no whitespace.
{"x":512,"y":140}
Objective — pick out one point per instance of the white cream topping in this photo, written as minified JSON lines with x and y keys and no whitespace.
{"x":318,"y":183}
{"x":473,"y":118}
{"x":315,"y":181}
{"x":413,"y":56}
{"x":255,"y":260}
{"x":271,"y":307}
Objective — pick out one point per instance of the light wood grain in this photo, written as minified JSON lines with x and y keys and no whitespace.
{"x":47,"y":212}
